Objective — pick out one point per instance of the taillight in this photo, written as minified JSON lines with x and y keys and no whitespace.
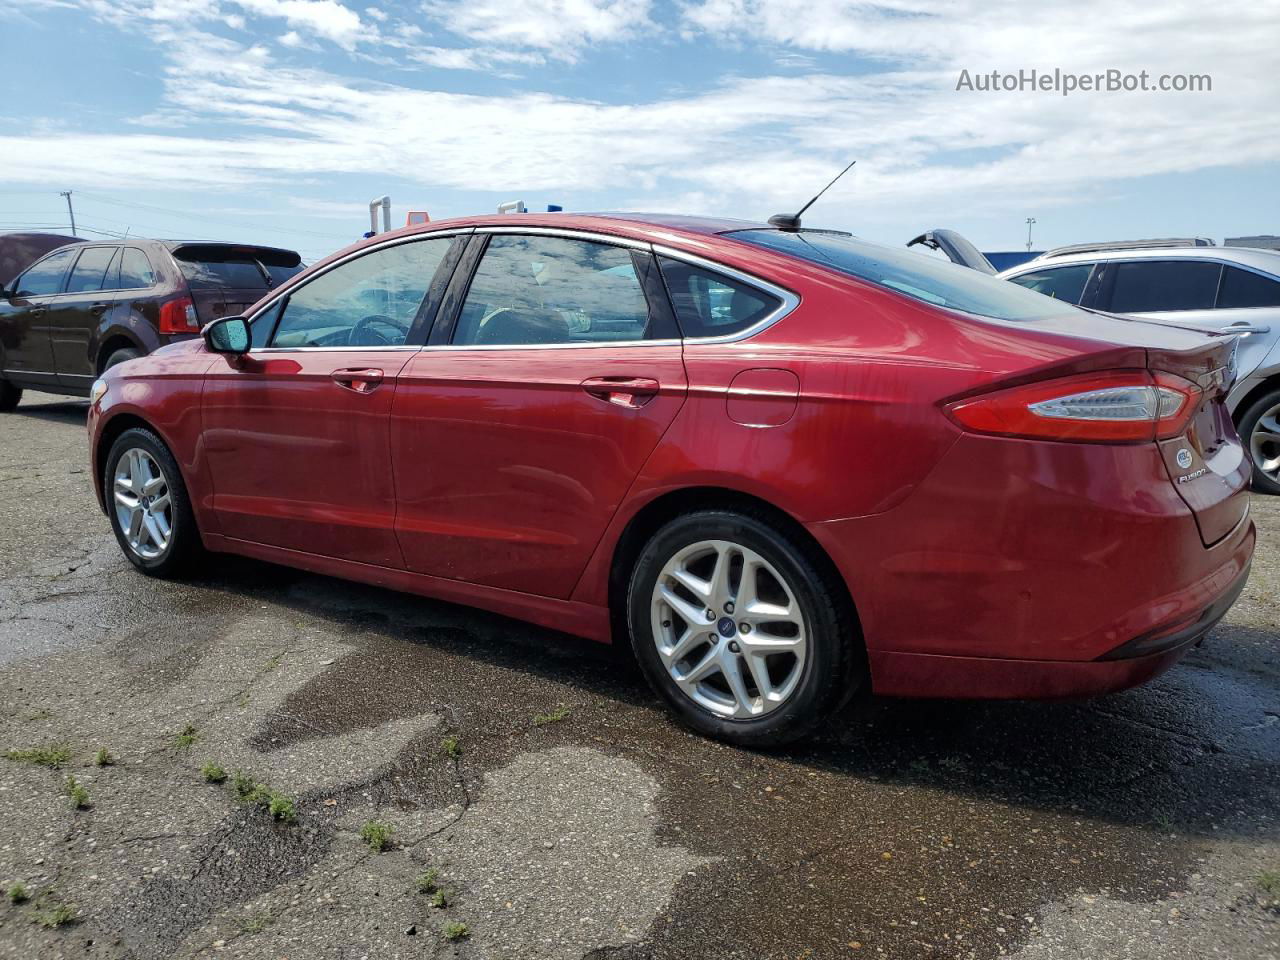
{"x":1127,"y":406}
{"x":179,"y":316}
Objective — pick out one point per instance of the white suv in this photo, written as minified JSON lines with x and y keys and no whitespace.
{"x":1233,"y":289}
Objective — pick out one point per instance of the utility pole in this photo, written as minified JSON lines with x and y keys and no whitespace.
{"x":71,"y":213}
{"x":1030,"y":221}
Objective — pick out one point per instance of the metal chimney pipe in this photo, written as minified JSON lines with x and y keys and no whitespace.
{"x":385,"y":203}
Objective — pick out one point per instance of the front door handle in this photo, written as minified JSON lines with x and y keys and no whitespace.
{"x":622,"y":391}
{"x":38,"y":311}
{"x":98,"y":309}
{"x":358,"y":380}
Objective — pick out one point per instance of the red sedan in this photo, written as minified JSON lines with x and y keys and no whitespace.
{"x":788,"y":464}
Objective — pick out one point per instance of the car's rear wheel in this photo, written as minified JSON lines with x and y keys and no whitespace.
{"x":118,"y":357}
{"x":9,"y":396}
{"x":738,"y":627}
{"x":1260,"y":430}
{"x":148,"y":504}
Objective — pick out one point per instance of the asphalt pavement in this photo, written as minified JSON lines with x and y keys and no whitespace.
{"x":531,"y":799}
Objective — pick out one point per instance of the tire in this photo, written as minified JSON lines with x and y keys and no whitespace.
{"x":139,"y":457}
{"x":1260,"y":433}
{"x":118,"y":357}
{"x":822,"y":662}
{"x":9,"y":396}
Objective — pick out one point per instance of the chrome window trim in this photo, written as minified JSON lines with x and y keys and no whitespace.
{"x":567,"y":234}
{"x":278,"y":295}
{"x":788,"y":300}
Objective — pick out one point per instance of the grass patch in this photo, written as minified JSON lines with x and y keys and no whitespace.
{"x":103,"y":758}
{"x":1163,"y":822}
{"x":451,"y":748}
{"x":57,"y":915}
{"x":257,"y":923}
{"x":54,"y":755}
{"x":555,"y":716}
{"x":426,"y":882}
{"x":213,"y":773}
{"x":1269,"y":882}
{"x":243,"y":786}
{"x":273,"y":663}
{"x":441,"y":899}
{"x":377,"y":835}
{"x":455,"y":931}
{"x":186,"y":737}
{"x":281,"y":806}
{"x":77,"y":793}
{"x":17,"y":893}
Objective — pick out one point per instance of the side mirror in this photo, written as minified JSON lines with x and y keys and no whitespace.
{"x":228,"y":335}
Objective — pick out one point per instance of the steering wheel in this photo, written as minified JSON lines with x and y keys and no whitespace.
{"x":364,"y":327}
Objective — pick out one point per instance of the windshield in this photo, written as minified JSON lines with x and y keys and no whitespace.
{"x":917,"y":275}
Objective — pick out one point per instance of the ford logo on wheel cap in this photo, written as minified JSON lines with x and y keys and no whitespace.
{"x":1184,"y":458}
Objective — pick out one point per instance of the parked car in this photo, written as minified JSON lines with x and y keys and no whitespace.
{"x":791,"y":466}
{"x":19,"y":250}
{"x":1189,"y":282}
{"x":84,"y":308}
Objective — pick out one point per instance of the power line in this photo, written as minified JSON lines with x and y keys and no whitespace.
{"x":188,"y":215}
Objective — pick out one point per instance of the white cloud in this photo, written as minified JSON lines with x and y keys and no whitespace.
{"x":323,"y":18}
{"x":561,"y":28}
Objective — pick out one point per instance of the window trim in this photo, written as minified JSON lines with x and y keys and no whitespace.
{"x":788,"y":301}
{"x":283,"y":294}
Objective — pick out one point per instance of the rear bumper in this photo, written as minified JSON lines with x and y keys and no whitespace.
{"x":983,"y":678}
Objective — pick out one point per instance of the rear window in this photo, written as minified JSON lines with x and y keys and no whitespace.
{"x":915,"y":275}
{"x":238,"y":268}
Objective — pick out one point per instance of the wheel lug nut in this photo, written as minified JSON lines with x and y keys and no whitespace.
{"x":714,"y":639}
{"x":733,"y":647}
{"x":744,"y":627}
{"x":728,"y":607}
{"x":711,"y":615}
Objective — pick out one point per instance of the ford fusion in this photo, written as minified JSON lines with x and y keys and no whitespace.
{"x":786,"y":465}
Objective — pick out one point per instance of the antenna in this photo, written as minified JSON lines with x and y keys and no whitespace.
{"x":790,"y":222}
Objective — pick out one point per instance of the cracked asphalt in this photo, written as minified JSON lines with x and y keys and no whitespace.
{"x":564,"y":814}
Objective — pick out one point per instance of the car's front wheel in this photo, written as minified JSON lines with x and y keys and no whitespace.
{"x":9,"y":396}
{"x":148,"y":504}
{"x":1260,"y":430}
{"x":739,"y":628}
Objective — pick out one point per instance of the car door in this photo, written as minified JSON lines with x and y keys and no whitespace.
{"x":1186,"y":291}
{"x":296,"y":431}
{"x":79,"y":311}
{"x":518,"y":430}
{"x":24,"y":324}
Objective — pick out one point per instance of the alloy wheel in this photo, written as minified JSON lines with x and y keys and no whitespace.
{"x":729,"y":629}
{"x":144,"y":509}
{"x":1264,"y":443}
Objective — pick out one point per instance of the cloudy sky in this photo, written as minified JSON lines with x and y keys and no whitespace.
{"x":278,"y":120}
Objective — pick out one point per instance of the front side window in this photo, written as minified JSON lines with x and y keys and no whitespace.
{"x":710,"y":304}
{"x":90,"y":272}
{"x":135,"y":270}
{"x":1244,"y":288}
{"x":46,"y":276}
{"x":1061,"y":283}
{"x":551,"y":290}
{"x":930,"y":279}
{"x":371,"y":301}
{"x":1151,"y":286}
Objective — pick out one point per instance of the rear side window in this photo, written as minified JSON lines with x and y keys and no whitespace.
{"x":1164,"y":285}
{"x":1061,"y":283}
{"x":925,"y":278}
{"x":46,"y":276}
{"x":90,"y":271}
{"x":709,"y":304}
{"x":1242,"y":288}
{"x":135,"y":270}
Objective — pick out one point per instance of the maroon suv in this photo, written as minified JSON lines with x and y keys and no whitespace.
{"x":89,"y":306}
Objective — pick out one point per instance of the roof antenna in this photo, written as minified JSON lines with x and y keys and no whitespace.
{"x":790,"y":222}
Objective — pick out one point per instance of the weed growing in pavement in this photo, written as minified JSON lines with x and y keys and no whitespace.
{"x":426,"y":882}
{"x":451,"y":747}
{"x":186,"y":737}
{"x":455,"y":931}
{"x":377,"y":835}
{"x":213,"y":773}
{"x":1163,"y":822}
{"x":54,"y":755}
{"x":77,"y":793}
{"x":243,"y":786}
{"x":17,"y":893}
{"x":257,"y":923}
{"x":281,"y":807}
{"x":103,"y":758}
{"x":555,"y":716}
{"x":1269,"y":881}
{"x":441,"y":898}
{"x":57,"y":915}
{"x":272,"y":663}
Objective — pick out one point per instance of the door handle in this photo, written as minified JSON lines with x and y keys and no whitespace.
{"x":98,"y":309}
{"x":357,"y":380}
{"x":38,"y":311}
{"x":1245,"y":328}
{"x":629,"y":392}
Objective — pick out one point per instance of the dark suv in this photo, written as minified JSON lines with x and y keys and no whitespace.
{"x":86,"y":307}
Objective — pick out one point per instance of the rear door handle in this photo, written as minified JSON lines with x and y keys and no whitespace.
{"x":1247,"y":328}
{"x":358,"y":380}
{"x":98,"y":309}
{"x":38,"y":311}
{"x":622,"y":391}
